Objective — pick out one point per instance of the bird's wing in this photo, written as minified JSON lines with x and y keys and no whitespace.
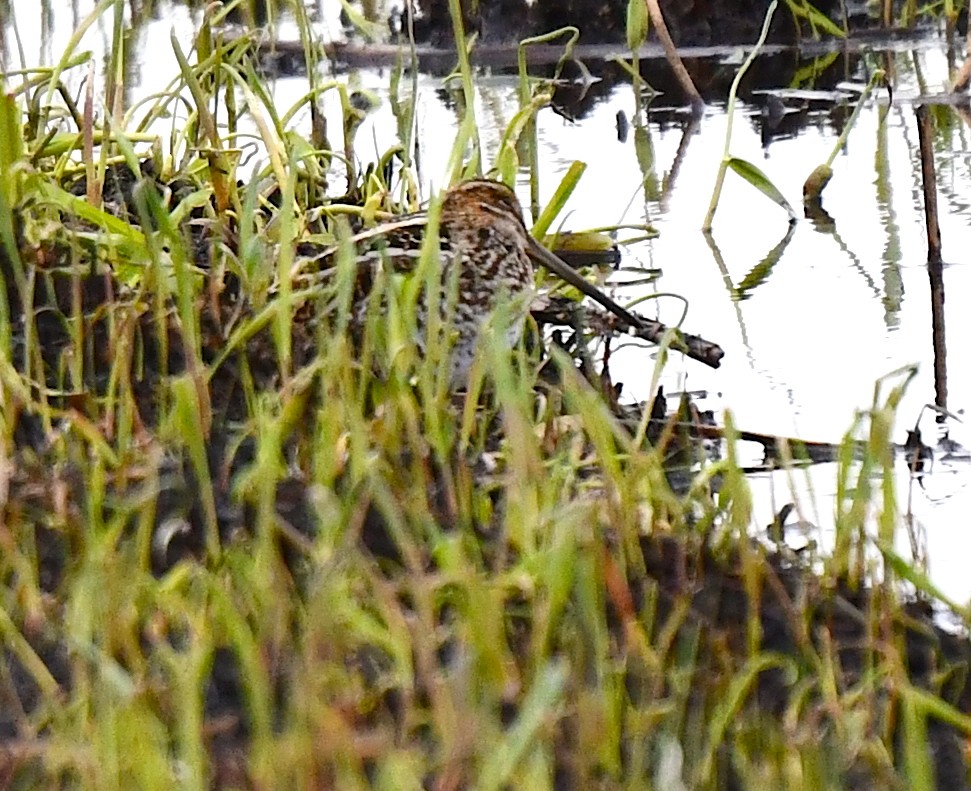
{"x":398,"y":241}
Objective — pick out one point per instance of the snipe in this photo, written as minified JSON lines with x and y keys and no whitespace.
{"x":482,"y":232}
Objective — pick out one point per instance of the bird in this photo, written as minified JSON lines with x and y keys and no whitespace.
{"x":482,"y":233}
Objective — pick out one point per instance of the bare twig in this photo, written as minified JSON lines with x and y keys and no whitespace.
{"x":563,"y":311}
{"x":673,"y":58}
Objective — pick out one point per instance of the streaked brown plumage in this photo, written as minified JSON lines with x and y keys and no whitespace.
{"x":481,"y":230}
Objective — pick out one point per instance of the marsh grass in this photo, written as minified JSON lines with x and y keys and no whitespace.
{"x":240,"y":549}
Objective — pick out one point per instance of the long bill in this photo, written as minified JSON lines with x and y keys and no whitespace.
{"x":557,"y":266}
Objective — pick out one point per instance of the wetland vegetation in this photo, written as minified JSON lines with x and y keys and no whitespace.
{"x":241,"y":548}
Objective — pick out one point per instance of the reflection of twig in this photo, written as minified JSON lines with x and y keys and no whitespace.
{"x":791,"y":450}
{"x":668,"y":184}
{"x":826,"y":225}
{"x":730,"y":286}
{"x":782,"y":448}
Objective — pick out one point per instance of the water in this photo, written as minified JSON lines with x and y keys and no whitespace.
{"x":841,"y":308}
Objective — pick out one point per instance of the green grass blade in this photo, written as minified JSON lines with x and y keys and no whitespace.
{"x":761,"y":182}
